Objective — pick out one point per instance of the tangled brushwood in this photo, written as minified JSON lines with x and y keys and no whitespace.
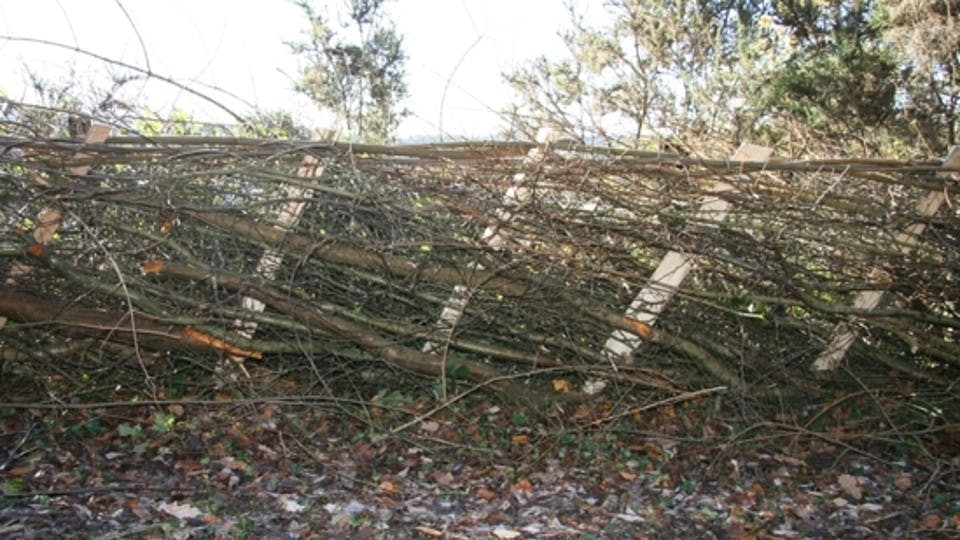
{"x":475,"y":261}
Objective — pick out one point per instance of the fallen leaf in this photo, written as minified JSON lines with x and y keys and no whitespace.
{"x":429,"y":426}
{"x":505,"y":533}
{"x":628,"y":476}
{"x":180,"y":511}
{"x":443,"y":478}
{"x":267,"y":452}
{"x":789,"y":460}
{"x":49,"y":222}
{"x":562,"y":385}
{"x":523,"y":485}
{"x":903,"y":482}
{"x":486,"y":494}
{"x":291,"y":505}
{"x":389,"y":487}
{"x":629,"y":517}
{"x":521,"y":440}
{"x":233,"y":464}
{"x":850,"y":486}
{"x":735,"y":530}
{"x":134,"y":506}
{"x":189,"y":466}
{"x":594,"y":386}
{"x":429,"y":531}
{"x":933,"y":521}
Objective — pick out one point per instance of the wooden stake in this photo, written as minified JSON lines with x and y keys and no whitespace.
{"x":50,"y":219}
{"x":495,"y":235}
{"x":845,"y":333}
{"x":287,"y":218}
{"x":674,"y":267}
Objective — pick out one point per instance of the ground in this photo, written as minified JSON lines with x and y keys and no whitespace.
{"x":302,"y":469}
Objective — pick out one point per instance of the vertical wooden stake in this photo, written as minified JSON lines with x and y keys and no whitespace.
{"x":495,"y":236}
{"x":845,"y":333}
{"x":287,"y":218}
{"x":50,"y":219}
{"x":674,"y":267}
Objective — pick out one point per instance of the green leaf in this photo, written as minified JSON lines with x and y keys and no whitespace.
{"x":14,"y":486}
{"x":130,"y":431}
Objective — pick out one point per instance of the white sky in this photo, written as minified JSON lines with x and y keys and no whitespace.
{"x":239,"y":46}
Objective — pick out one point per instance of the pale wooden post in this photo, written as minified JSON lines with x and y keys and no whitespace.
{"x":287,"y":218}
{"x":674,"y":267}
{"x":50,"y":219}
{"x":846,"y":332}
{"x":495,"y":236}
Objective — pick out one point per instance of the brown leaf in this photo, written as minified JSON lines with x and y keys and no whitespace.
{"x":134,"y":506}
{"x":562,"y":385}
{"x":933,"y":521}
{"x":429,"y":531}
{"x":850,"y":486}
{"x":49,"y":223}
{"x":521,"y":440}
{"x":486,"y":494}
{"x":389,"y":487}
{"x":523,"y":485}
{"x":189,"y":466}
{"x":180,"y":511}
{"x":903,"y":482}
{"x":443,"y":478}
{"x":233,"y":464}
{"x":790,"y":460}
{"x":735,"y":530}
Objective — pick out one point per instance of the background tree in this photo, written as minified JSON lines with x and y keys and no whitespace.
{"x":360,"y":81}
{"x":669,"y":68}
{"x":925,"y":38}
{"x":834,"y":77}
{"x":838,"y":85}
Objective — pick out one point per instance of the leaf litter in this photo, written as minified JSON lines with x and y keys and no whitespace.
{"x":289,"y":472}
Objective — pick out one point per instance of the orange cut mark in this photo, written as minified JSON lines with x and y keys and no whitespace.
{"x":167,"y":226}
{"x":152,"y":267}
{"x":639,"y":328}
{"x":218,"y":344}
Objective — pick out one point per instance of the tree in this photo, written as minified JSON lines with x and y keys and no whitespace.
{"x":669,"y":68}
{"x":808,"y":77}
{"x":839,"y":84}
{"x":925,"y":37}
{"x":361,"y":81}
{"x":66,"y":107}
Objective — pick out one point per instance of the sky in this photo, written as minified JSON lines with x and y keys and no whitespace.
{"x":457,"y":52}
